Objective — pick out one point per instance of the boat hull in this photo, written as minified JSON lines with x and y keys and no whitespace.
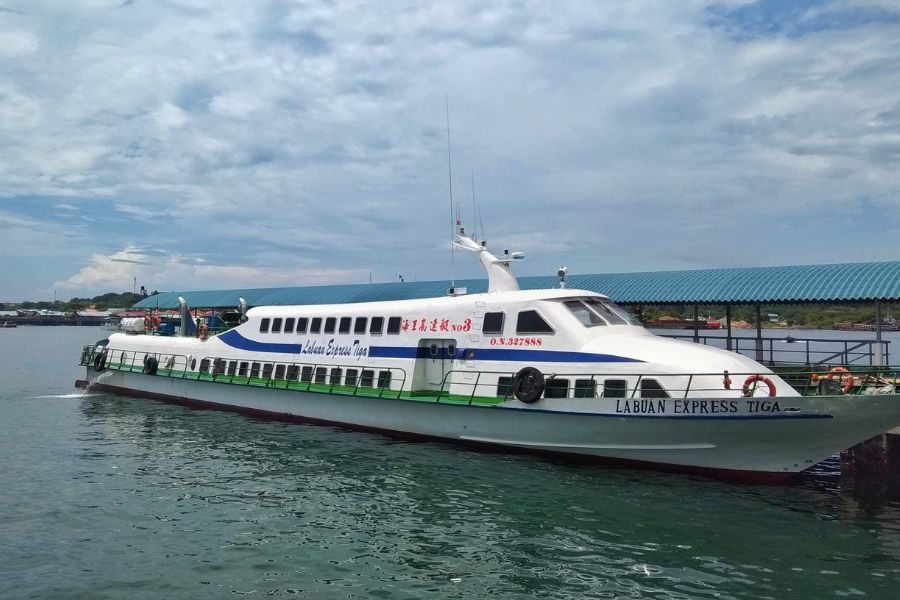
{"x":766,"y":446}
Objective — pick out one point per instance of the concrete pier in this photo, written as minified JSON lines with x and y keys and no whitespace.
{"x":873,"y":466}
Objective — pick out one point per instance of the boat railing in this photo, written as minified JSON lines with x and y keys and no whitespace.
{"x":330,"y":378}
{"x":482,"y":385}
{"x":491,"y":387}
{"x":800,"y":351}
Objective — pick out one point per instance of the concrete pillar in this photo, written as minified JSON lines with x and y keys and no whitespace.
{"x":759,"y":342}
{"x":878,"y":359}
{"x":728,"y":345}
{"x":696,"y":321}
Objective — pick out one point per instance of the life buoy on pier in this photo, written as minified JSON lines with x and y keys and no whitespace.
{"x":151,"y":365}
{"x":100,"y":362}
{"x":528,"y":385}
{"x":148,"y":323}
{"x":751,"y":381}
{"x":204,"y":331}
{"x":844,"y":377}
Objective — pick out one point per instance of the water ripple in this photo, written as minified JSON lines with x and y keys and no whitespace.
{"x":110,"y":497}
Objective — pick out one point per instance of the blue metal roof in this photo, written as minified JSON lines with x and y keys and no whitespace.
{"x":850,"y":282}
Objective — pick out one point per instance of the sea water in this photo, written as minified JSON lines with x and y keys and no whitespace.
{"x":113,"y":497}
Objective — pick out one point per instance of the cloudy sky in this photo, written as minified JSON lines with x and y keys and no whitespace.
{"x":200,"y":144}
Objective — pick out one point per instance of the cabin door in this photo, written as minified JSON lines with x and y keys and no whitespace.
{"x":434,"y":360}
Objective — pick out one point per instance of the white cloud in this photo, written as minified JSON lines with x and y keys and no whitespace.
{"x":155,"y":270}
{"x":293,"y":138}
{"x":17,"y":43}
{"x":18,"y":112}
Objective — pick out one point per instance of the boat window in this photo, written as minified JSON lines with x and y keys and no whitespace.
{"x":384,"y":380}
{"x":335,"y":377}
{"x":279,"y":371}
{"x":587,"y":317}
{"x":530,"y":321}
{"x":360,"y":325}
{"x":289,"y":325}
{"x":367,"y":379}
{"x":264,"y":326}
{"x":493,"y":322}
{"x":615,"y":388}
{"x":292,"y":372}
{"x":320,"y":374}
{"x":306,"y":374}
{"x":377,"y":325}
{"x":267,"y":371}
{"x":350,"y":378}
{"x":254,"y":369}
{"x":344,"y":326}
{"x":204,"y":365}
{"x":301,"y":324}
{"x":193,"y":364}
{"x":232,"y":367}
{"x":585,"y":388}
{"x":316,"y":325}
{"x":219,"y":366}
{"x":604,"y":308}
{"x":276,"y":325}
{"x":242,"y":369}
{"x":394,"y":325}
{"x":556,"y":388}
{"x":650,"y":388}
{"x":330,"y":322}
{"x":504,"y":387}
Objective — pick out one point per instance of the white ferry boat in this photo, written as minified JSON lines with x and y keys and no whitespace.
{"x":560,"y":371}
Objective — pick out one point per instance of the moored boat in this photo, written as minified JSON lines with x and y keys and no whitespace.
{"x":559,"y":370}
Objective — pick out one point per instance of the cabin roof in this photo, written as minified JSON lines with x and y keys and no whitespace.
{"x":833,"y":283}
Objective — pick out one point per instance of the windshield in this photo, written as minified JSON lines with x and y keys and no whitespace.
{"x":587,"y":317}
{"x":599,"y":311}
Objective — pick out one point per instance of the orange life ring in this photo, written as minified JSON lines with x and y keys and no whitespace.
{"x":155,"y":321}
{"x":752,"y":379}
{"x":148,"y":323}
{"x":849,"y":378}
{"x":204,"y":331}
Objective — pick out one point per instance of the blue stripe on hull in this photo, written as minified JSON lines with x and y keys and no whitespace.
{"x":527,"y":356}
{"x":236,"y":340}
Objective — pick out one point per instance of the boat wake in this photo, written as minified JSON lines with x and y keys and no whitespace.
{"x":81,"y":394}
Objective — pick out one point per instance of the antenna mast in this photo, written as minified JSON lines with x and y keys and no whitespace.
{"x":474,"y":210}
{"x":453,"y":220}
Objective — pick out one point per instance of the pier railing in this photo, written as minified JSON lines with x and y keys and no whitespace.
{"x":800,"y":351}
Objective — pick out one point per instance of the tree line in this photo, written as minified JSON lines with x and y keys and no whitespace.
{"x":102,"y":302}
